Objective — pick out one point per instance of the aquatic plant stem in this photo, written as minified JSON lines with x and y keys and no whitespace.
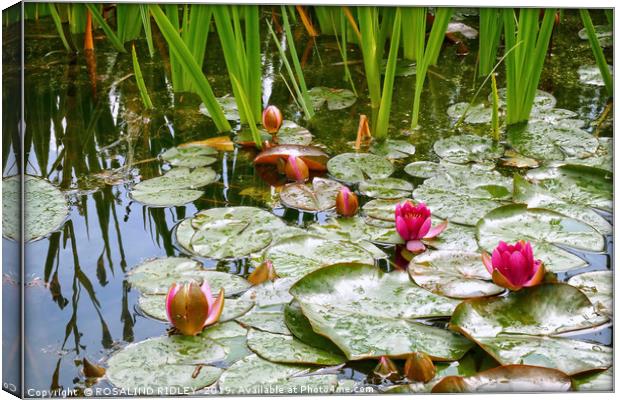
{"x":597,"y":51}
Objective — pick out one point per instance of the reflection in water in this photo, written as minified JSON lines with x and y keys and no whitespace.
{"x":86,"y":132}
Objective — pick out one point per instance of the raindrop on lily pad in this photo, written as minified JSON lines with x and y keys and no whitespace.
{"x":320,"y":195}
{"x":358,"y":167}
{"x":476,"y":114}
{"x":393,"y":149}
{"x":463,"y":149}
{"x":301,"y":328}
{"x":336,"y":99}
{"x":46,"y":207}
{"x":175,"y":188}
{"x":267,"y":320}
{"x":597,"y":285}
{"x":386,"y":188}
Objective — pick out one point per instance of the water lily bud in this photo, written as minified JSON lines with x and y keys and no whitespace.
{"x":272,"y":119}
{"x":92,"y":370}
{"x":419,"y":367}
{"x":262,"y":273}
{"x":191,"y":307}
{"x":413,"y":224}
{"x":296,"y":169}
{"x":386,"y":370}
{"x":346,"y":202}
{"x":514,"y":266}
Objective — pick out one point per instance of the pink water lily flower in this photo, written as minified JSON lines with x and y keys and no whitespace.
{"x":413,"y":224}
{"x":190,"y":308}
{"x":514,"y":266}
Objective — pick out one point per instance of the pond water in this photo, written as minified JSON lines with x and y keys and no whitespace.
{"x":95,"y":141}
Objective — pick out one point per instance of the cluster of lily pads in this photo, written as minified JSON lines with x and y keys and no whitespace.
{"x":321,"y":301}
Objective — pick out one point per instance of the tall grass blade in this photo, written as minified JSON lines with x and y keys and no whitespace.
{"x":118,"y":45}
{"x":597,"y":51}
{"x":383,"y":118}
{"x":414,"y":31}
{"x":128,"y":24}
{"x":495,"y":109}
{"x":182,"y":53}
{"x":58,"y":24}
{"x":490,"y":33}
{"x":144,"y":94}
{"x":146,"y":23}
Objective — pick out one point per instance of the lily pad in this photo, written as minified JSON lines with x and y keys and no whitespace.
{"x":429,"y":169}
{"x":579,"y":184}
{"x":597,"y":285}
{"x":514,"y":159}
{"x":463,"y":149}
{"x":595,"y":381}
{"x":154,"y":305}
{"x":230,"y":232}
{"x":175,"y":188}
{"x":537,"y":197}
{"x":299,"y":255}
{"x":509,"y":378}
{"x":604,"y":34}
{"x":455,"y":237}
{"x":166,"y":363}
{"x":382,"y":209}
{"x":602,"y":158}
{"x":386,"y":188}
{"x":453,"y":274}
{"x":356,"y":230}
{"x":287,"y":349}
{"x":256,"y":376}
{"x":268,"y":321}
{"x":358,"y":167}
{"x":319,"y":196}
{"x":543,"y":310}
{"x":392,"y":149}
{"x":569,"y":356}
{"x":45,"y":208}
{"x":477,"y":114}
{"x":229,"y":107}
{"x":369,"y":313}
{"x":190,"y":156}
{"x":547,"y":141}
{"x":545,"y":229}
{"x":337,"y":99}
{"x":289,"y":133}
{"x":157,"y":275}
{"x":542,"y":100}
{"x":270,"y":293}
{"x":591,"y":75}
{"x":300,"y":327}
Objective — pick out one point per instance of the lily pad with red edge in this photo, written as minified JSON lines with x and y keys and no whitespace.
{"x":320,"y":195}
{"x":314,"y":157}
{"x":547,"y":230}
{"x":547,"y":309}
{"x":597,"y":285}
{"x":368,"y":313}
{"x":454,"y":274}
{"x":336,"y":99}
{"x":358,"y":167}
{"x":508,"y":378}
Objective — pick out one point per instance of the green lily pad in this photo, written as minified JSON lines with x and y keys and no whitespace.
{"x":190,"y":156}
{"x":514,"y":159}
{"x":287,"y":349}
{"x":154,"y":305}
{"x":392,"y":149}
{"x":386,"y":188}
{"x":604,"y":34}
{"x":545,"y":229}
{"x":356,"y":230}
{"x":579,"y":184}
{"x":463,"y":149}
{"x":270,"y":293}
{"x":368,"y":313}
{"x":509,"y":378}
{"x":591,"y":75}
{"x":594,"y":381}
{"x":602,"y":158}
{"x":358,"y":167}
{"x":300,"y":327}
{"x":453,"y":274}
{"x":569,"y":356}
{"x":299,"y":255}
{"x":229,"y":107}
{"x":45,"y":207}
{"x":547,"y":309}
{"x":477,"y":114}
{"x":548,"y":141}
{"x":256,"y":376}
{"x":166,"y":363}
{"x":382,"y":209}
{"x":597,"y":285}
{"x":318,"y":196}
{"x":428,"y":169}
{"x":230,"y":232}
{"x":265,"y":320}
{"x":337,"y":99}
{"x":175,"y":188}
{"x":157,"y":275}
{"x":232,"y":336}
{"x":455,"y":237}
{"x":537,"y":197}
{"x":542,"y":99}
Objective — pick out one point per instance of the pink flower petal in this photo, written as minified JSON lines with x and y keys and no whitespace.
{"x":496,"y":259}
{"x":519,"y":269}
{"x":415,"y":246}
{"x":436,"y":230}
{"x":401,"y":228}
{"x":486,"y":260}
{"x":174,"y":289}
{"x":206,"y":289}
{"x":426,"y":226}
{"x":216,"y":311}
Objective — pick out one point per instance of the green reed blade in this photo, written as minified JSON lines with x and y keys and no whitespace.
{"x":490,"y":33}
{"x":254,"y":61}
{"x":144,"y":94}
{"x":597,"y":51}
{"x":190,"y":66}
{"x":383,"y":118}
{"x":413,"y":31}
{"x":196,"y":22}
{"x":118,"y":45}
{"x":58,"y":24}
{"x":368,"y":43}
{"x":495,"y":108}
{"x":244,"y":106}
{"x":77,"y":18}
{"x":146,"y":23}
{"x":128,"y":24}
{"x":176,"y":73}
{"x":342,"y":48}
